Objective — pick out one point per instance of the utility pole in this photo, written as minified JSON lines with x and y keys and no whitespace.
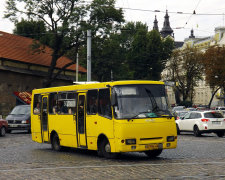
{"x":88,"y":55}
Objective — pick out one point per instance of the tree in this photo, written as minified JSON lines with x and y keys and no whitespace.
{"x":67,"y":21}
{"x":186,"y":69}
{"x":213,"y":62}
{"x":147,"y":52}
{"x":32,"y":29}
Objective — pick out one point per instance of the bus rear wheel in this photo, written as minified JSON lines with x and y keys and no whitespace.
{"x":55,"y":143}
{"x":153,"y":153}
{"x":105,"y":150}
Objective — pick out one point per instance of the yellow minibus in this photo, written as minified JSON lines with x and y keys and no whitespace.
{"x":109,"y":117}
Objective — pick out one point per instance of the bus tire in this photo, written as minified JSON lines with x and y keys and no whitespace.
{"x":2,"y":131}
{"x":105,"y":150}
{"x":56,"y":143}
{"x":153,"y":153}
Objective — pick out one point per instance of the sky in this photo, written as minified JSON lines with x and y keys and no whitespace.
{"x":203,"y":22}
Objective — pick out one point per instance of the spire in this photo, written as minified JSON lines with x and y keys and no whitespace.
{"x":166,"y":30}
{"x":155,"y":27}
{"x":192,"y":34}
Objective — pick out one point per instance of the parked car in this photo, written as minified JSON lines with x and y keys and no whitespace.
{"x":180,"y":114}
{"x":221,"y":109}
{"x":191,"y":109}
{"x":178,"y":108}
{"x":19,"y":118}
{"x":202,"y":122}
{"x":3,"y":127}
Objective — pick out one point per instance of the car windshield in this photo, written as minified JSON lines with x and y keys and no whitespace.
{"x":140,"y":101}
{"x":181,"y":114}
{"x":213,"y":115}
{"x":21,"y":110}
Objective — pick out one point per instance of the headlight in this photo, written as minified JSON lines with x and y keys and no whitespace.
{"x":130,"y":141}
{"x":25,"y":122}
{"x":170,"y":138}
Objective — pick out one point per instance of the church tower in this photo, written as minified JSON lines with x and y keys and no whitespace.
{"x":166,"y":30}
{"x":155,"y":27}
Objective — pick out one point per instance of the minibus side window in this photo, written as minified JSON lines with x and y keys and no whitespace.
{"x":52,"y":103}
{"x":104,"y":103}
{"x":37,"y":104}
{"x":66,"y":103}
{"x":92,"y":102}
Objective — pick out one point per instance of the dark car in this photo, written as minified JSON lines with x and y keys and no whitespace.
{"x":19,"y":118}
{"x":3,"y":127}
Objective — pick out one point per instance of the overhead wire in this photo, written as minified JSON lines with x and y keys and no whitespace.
{"x":194,"y":12}
{"x":171,"y":12}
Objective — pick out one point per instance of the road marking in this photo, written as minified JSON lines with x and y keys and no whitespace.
{"x":106,"y":166}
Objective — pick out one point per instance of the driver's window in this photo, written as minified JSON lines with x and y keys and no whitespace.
{"x":187,"y":116}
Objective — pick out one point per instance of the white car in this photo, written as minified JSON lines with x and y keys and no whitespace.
{"x":202,"y":122}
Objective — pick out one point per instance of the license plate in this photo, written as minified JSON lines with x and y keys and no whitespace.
{"x":216,"y":122}
{"x":153,"y":146}
{"x":13,"y":125}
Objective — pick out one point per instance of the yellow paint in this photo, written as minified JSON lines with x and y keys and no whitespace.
{"x":115,"y":130}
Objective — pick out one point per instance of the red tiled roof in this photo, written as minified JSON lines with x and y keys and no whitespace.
{"x":17,"y":48}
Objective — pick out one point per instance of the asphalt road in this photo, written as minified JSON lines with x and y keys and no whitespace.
{"x":194,"y":158}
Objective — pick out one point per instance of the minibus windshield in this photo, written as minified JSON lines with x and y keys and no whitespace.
{"x":140,"y":101}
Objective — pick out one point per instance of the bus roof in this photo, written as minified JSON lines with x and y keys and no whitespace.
{"x":93,"y":85}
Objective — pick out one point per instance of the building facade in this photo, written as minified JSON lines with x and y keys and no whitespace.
{"x":202,"y":92}
{"x":22,"y":70}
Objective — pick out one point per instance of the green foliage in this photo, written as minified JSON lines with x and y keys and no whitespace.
{"x":136,"y":53}
{"x":148,"y":52}
{"x":186,"y":103}
{"x":185,"y":68}
{"x":66,"y":22}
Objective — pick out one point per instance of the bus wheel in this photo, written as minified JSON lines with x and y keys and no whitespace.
{"x":55,"y":143}
{"x":153,"y":153}
{"x":105,"y":150}
{"x":2,"y":131}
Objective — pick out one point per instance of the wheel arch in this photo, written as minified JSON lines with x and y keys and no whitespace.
{"x":101,"y":137}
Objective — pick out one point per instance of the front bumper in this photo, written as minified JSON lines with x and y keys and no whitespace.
{"x":18,"y":126}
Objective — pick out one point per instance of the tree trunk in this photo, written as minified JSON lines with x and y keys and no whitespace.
{"x":210,"y":102}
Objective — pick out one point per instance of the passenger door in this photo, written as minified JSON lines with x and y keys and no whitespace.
{"x":44,"y":119}
{"x":81,"y":120}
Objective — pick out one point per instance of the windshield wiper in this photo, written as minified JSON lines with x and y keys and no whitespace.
{"x":153,"y":101}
